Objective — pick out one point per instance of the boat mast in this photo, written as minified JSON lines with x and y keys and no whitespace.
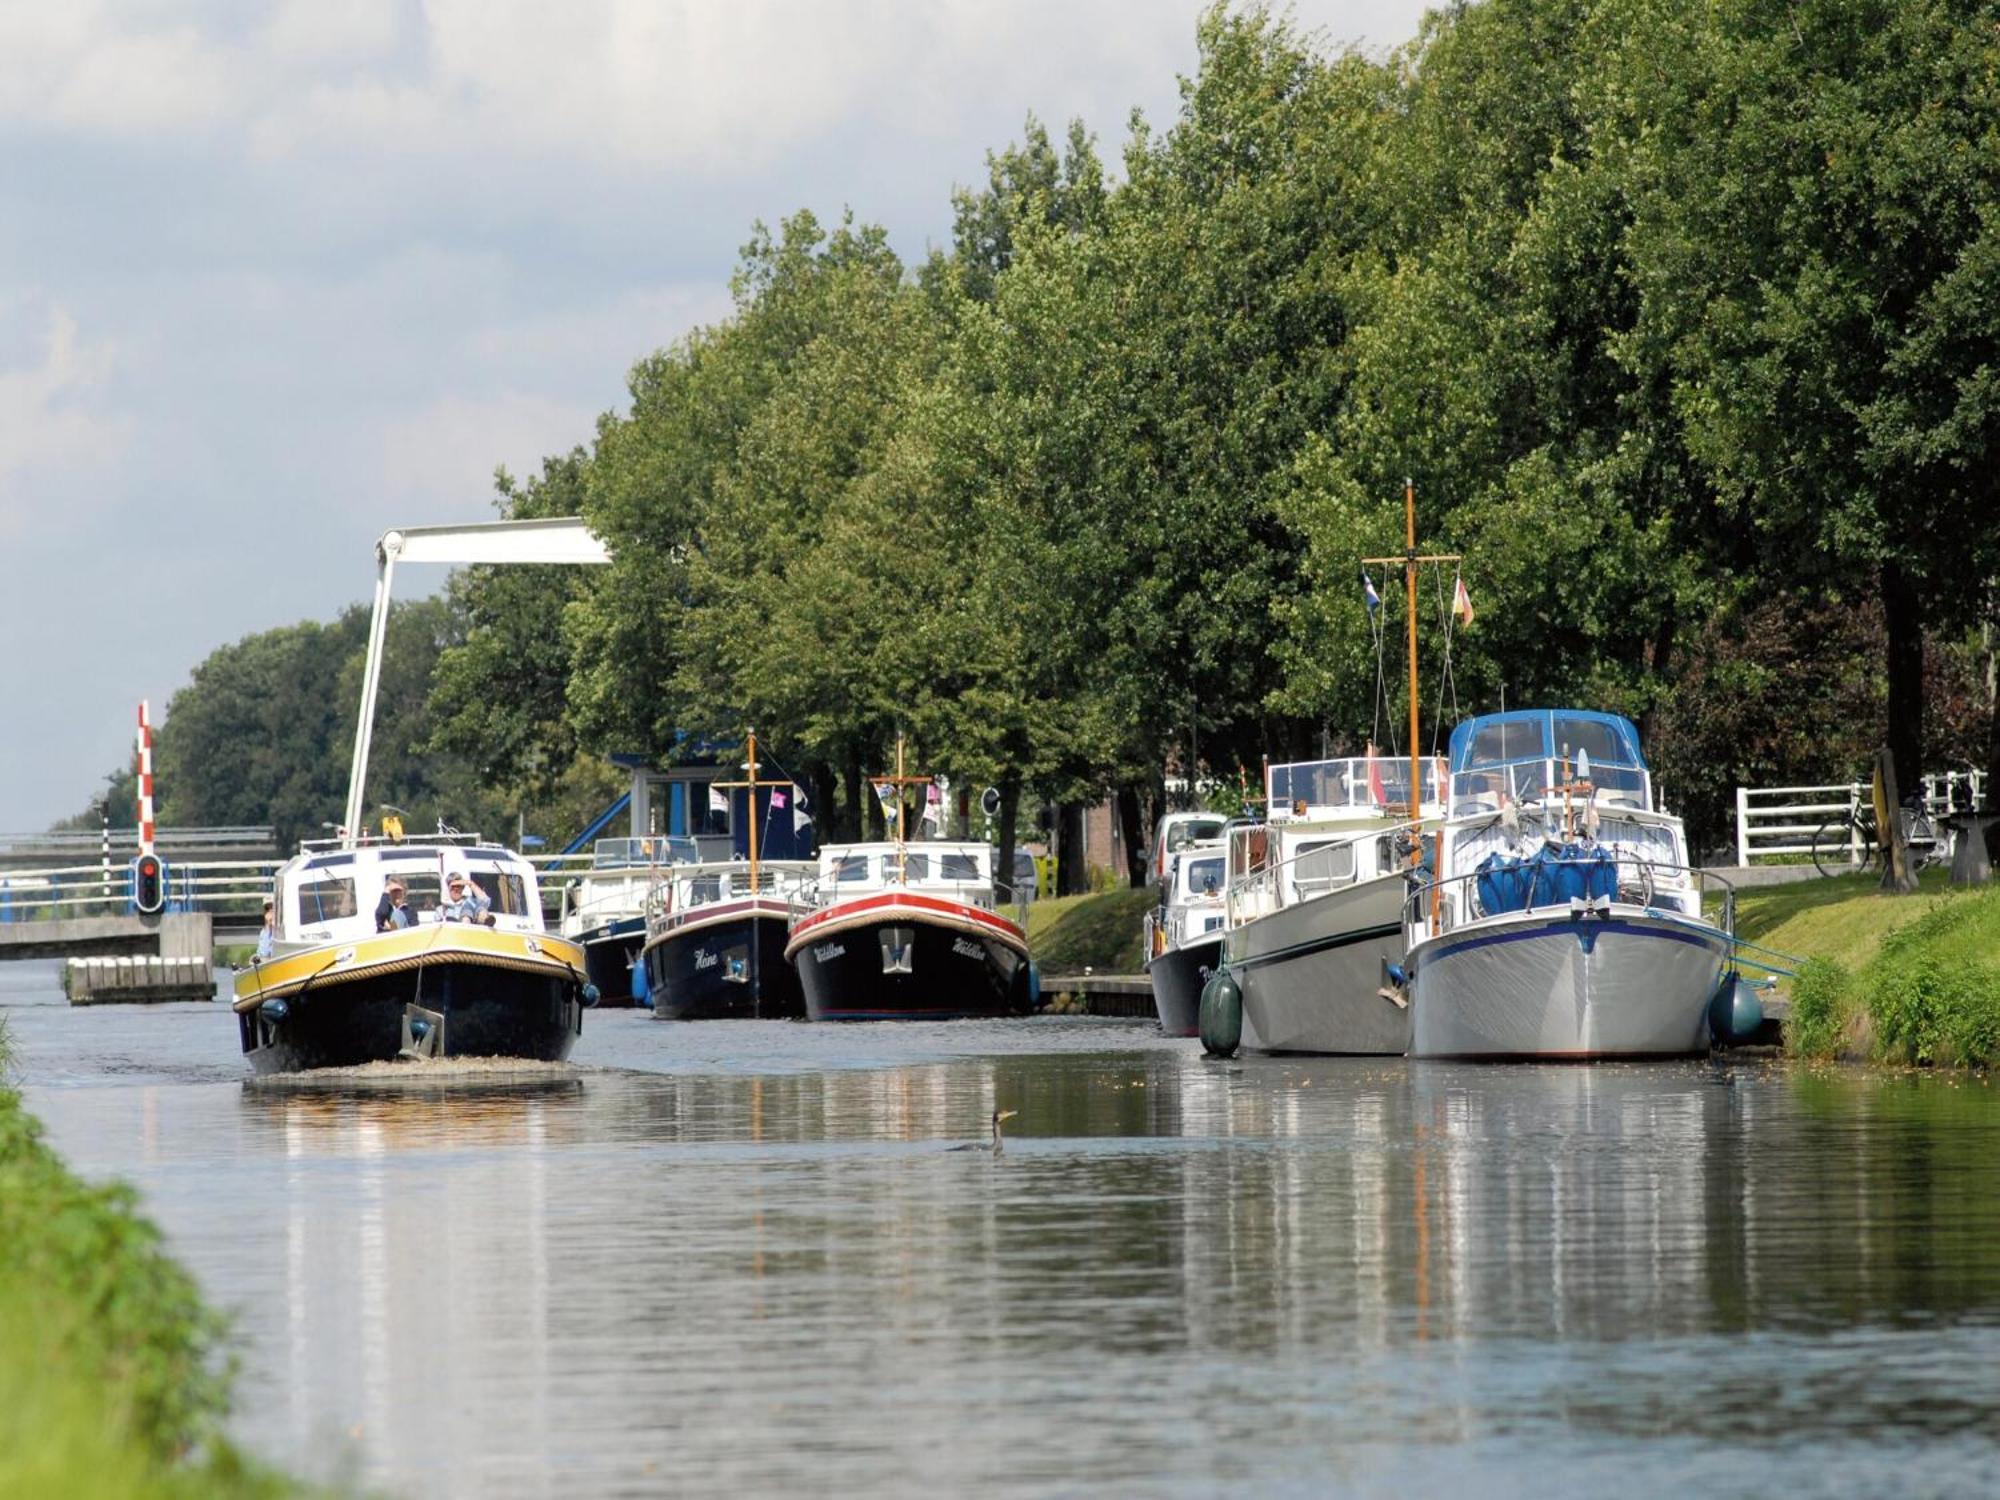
{"x":1410,"y":595}
{"x":753,"y":783}
{"x":899,"y":781}
{"x":1410,"y":560}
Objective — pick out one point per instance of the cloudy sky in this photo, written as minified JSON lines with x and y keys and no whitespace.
{"x":276,"y":277}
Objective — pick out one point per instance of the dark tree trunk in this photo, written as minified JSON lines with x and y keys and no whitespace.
{"x":1903,"y":613}
{"x":1992,"y":634}
{"x":826,"y":803}
{"x":1131,"y":832}
{"x":1071,"y":877}
{"x":1662,"y":659}
{"x":856,"y":816}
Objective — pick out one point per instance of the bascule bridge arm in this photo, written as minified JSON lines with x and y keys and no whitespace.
{"x":564,"y":539}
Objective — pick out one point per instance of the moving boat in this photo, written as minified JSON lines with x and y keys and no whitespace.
{"x":1565,"y":921}
{"x":715,"y":944}
{"x":901,"y":930}
{"x":336,"y":992}
{"x":604,"y":911}
{"x":1315,"y":905}
{"x":1184,"y":934}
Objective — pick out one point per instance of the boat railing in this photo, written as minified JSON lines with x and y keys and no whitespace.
{"x":1661,"y":888}
{"x":1336,"y":788}
{"x":681,"y":889}
{"x":1278,"y":883}
{"x":1542,"y":781}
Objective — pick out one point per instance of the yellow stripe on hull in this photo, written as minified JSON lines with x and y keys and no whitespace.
{"x":412,"y":948}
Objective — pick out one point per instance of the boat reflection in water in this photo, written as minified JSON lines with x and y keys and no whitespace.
{"x":1286,"y":1273}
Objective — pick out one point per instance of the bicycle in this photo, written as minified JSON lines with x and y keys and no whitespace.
{"x":1849,"y":843}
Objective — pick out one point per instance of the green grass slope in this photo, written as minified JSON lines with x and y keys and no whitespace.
{"x":1101,"y":932}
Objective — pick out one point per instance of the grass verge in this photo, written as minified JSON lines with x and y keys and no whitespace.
{"x":1904,"y":979}
{"x":1102,"y":932}
{"x":112,"y":1380}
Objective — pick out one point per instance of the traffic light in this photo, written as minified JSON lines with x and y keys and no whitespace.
{"x":149,"y":883}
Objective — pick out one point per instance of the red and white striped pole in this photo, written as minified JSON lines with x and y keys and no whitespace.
{"x":145,"y":779}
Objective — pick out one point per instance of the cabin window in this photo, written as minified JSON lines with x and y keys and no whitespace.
{"x":326,"y":901}
{"x":1195,"y":831}
{"x":1605,"y":744}
{"x":1496,"y":744}
{"x":915,"y":866}
{"x":508,"y":893}
{"x":1204,"y":877}
{"x":703,"y":889}
{"x":958,"y":867}
{"x":850,"y":867}
{"x":1322,"y":866}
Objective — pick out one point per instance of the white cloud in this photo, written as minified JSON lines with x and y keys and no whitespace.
{"x":51,"y":417}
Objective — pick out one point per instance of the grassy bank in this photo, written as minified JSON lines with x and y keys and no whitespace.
{"x":1904,"y":979}
{"x":111,"y":1376}
{"x":1101,"y":932}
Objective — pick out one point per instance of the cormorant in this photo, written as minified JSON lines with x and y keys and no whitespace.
{"x":998,"y":1116}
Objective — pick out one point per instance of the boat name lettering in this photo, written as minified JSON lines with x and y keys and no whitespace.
{"x":703,"y":959}
{"x":827,"y":952}
{"x":966,"y":948}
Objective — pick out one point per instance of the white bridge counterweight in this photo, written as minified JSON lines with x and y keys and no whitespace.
{"x":562,"y":539}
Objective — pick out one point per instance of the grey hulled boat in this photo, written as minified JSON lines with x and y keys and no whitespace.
{"x":1566,"y":922}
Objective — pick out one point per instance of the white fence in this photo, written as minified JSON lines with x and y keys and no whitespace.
{"x":1780,"y":821}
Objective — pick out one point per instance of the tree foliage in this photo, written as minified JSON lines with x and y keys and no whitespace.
{"x":1679,"y":316}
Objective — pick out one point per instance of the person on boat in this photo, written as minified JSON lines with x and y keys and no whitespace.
{"x":392,"y":911}
{"x":468,"y":902}
{"x":267,"y":936}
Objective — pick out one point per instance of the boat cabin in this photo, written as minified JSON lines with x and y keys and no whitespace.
{"x":1194,"y":898}
{"x":1181,"y":830}
{"x":1355,"y":786}
{"x":1551,"y":804}
{"x":685,"y":889}
{"x":960,"y":872}
{"x":328,"y":894}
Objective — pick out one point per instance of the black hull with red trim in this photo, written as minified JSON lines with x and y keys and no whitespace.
{"x":730,"y":969}
{"x":908,"y":958}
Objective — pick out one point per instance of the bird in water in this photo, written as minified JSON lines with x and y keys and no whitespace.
{"x":995,"y":1148}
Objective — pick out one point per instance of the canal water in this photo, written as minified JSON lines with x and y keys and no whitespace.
{"x":741,"y":1257}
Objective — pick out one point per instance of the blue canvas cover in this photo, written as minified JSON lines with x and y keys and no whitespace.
{"x":1553,"y":875}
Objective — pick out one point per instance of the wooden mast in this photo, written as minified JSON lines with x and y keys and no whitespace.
{"x":899,"y":781}
{"x":1410,"y":561}
{"x":753,"y":783}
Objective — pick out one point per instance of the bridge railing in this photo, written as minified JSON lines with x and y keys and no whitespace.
{"x":221,"y":887}
{"x":87,"y":841}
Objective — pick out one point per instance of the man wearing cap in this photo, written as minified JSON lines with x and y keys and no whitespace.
{"x":466,"y":902}
{"x":392,"y":912}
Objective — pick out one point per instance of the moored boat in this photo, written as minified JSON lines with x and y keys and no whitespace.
{"x":1315,"y":905}
{"x":604,"y":911}
{"x":1183,"y":934}
{"x":901,"y":931}
{"x":715,"y":945}
{"x":335,"y":991}
{"x":1565,"y":921}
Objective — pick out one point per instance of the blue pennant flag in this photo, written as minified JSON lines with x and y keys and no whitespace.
{"x":1368,"y":595}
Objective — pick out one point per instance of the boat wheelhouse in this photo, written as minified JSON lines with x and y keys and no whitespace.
{"x":1315,"y":903}
{"x":1564,"y":920}
{"x":604,"y":910}
{"x":1177,"y":831}
{"x":715,"y":944}
{"x":1183,"y":934}
{"x":337,"y":991}
{"x":908,"y":931}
